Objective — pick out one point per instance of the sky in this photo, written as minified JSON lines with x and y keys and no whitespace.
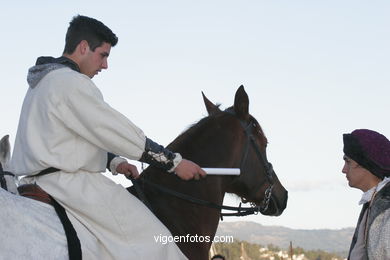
{"x":313,"y":70}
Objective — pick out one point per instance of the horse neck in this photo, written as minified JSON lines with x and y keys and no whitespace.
{"x":182,"y":217}
{"x":211,"y":152}
{"x":11,"y":184}
{"x":10,"y":181}
{"x":206,"y":153}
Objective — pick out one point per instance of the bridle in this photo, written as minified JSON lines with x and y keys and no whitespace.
{"x":3,"y":181}
{"x":269,"y":172}
{"x":240,"y":211}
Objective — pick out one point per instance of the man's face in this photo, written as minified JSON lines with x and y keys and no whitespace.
{"x":357,"y":176}
{"x":94,"y":61}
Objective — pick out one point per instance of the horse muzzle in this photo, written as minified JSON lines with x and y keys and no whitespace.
{"x":276,"y":205}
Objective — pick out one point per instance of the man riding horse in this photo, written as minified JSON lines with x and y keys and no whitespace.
{"x":66,"y":137}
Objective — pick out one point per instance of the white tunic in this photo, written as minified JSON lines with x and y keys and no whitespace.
{"x":66,"y":124}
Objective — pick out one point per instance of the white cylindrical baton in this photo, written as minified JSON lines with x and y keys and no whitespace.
{"x":222,"y":171}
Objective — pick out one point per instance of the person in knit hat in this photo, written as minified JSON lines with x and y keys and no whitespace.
{"x":367,"y":167}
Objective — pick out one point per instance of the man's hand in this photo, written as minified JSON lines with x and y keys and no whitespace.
{"x":128,"y":170}
{"x":188,"y":170}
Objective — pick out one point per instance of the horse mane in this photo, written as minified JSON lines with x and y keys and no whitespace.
{"x":193,"y":129}
{"x":200,"y":122}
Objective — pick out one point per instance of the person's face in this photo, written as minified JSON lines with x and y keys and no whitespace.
{"x":357,"y":176}
{"x":95,"y":61}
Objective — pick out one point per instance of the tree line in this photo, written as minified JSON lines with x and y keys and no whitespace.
{"x":247,"y":251}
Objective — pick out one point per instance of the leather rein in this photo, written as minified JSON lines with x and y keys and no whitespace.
{"x":3,"y":181}
{"x":240,"y":211}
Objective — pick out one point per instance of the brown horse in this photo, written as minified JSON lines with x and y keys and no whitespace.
{"x":225,"y":139}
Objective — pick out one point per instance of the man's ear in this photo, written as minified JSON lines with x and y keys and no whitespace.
{"x":83,"y":47}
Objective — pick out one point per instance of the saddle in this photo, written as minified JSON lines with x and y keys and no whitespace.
{"x":33,"y":191}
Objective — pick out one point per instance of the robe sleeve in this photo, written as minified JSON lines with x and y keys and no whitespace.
{"x":82,"y":109}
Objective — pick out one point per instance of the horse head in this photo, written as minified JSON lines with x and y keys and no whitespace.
{"x":257,"y":182}
{"x":233,"y":138}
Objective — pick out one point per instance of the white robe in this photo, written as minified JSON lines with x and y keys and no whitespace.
{"x":66,"y":124}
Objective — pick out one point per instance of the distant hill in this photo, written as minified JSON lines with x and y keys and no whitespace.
{"x":329,"y":240}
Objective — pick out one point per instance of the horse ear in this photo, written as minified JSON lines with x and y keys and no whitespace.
{"x":211,"y":108}
{"x":241,"y":103}
{"x":5,"y":150}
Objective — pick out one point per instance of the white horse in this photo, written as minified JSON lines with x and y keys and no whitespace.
{"x":5,"y":148}
{"x":29,"y":229}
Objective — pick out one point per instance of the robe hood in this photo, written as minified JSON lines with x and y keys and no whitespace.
{"x":44,"y":65}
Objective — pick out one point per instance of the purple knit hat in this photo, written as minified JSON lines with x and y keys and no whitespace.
{"x":369,"y":149}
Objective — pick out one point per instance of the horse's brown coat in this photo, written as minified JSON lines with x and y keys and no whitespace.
{"x":215,"y":141}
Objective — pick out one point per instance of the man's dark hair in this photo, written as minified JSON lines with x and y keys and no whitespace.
{"x":218,"y":256}
{"x":89,"y":29}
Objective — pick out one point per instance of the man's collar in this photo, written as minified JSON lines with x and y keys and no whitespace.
{"x":60,"y":60}
{"x":368,"y":195}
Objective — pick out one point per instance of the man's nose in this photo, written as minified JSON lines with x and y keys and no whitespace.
{"x":344,"y":170}
{"x":105,"y":64}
